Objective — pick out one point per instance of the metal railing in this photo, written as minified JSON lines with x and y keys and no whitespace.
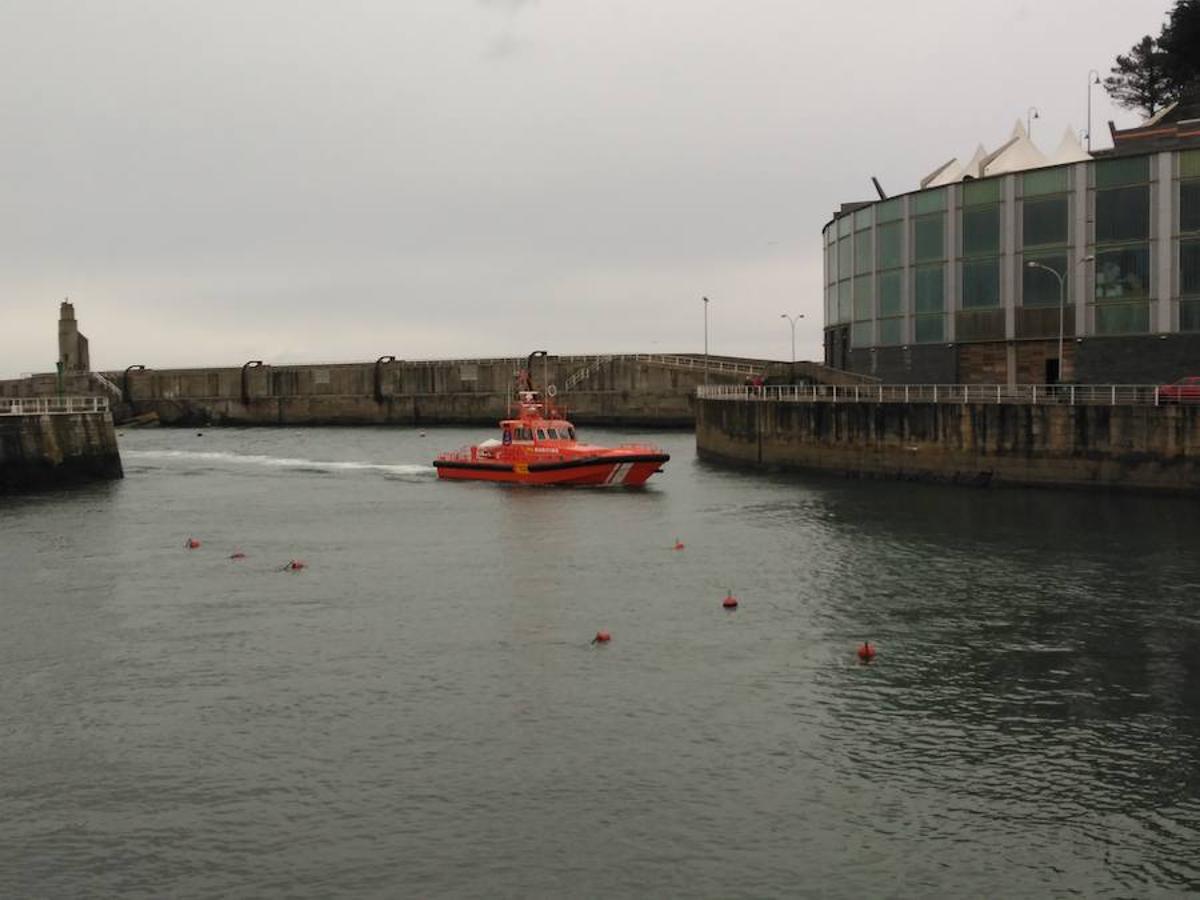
{"x":595,"y":365}
{"x":1036,"y":394}
{"x":696,"y":362}
{"x":51,"y":406}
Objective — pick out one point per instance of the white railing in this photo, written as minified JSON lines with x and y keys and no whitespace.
{"x":1037,"y":394}
{"x":115,"y":392}
{"x":698,"y":362}
{"x":595,"y":365}
{"x":51,"y":406}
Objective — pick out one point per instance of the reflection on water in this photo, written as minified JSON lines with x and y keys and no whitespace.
{"x":421,"y":711}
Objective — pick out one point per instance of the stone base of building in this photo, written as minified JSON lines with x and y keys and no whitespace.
{"x":49,"y":451}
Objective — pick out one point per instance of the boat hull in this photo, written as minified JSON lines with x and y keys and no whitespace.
{"x":627,"y":470}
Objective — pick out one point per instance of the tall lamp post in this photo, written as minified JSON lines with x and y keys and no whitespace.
{"x":1093,"y":78}
{"x":1062,"y":300}
{"x":705,"y":299}
{"x":1030,"y":115}
{"x":792,"y":322}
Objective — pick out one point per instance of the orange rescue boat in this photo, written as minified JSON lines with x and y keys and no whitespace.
{"x":539,"y":447}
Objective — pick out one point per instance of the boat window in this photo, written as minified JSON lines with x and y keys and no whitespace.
{"x":571,"y":432}
{"x":507,"y":438}
{"x":526,"y":434}
{"x":541,"y":434}
{"x":553,"y":432}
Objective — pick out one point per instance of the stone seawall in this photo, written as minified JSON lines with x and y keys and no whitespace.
{"x":43,"y":451}
{"x":1130,"y":447}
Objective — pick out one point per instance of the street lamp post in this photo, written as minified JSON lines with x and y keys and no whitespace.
{"x":792,"y":321}
{"x":705,"y":299}
{"x":1030,"y":115}
{"x":1062,"y":300}
{"x":1093,"y":78}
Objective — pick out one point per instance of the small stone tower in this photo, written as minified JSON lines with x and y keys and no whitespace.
{"x":72,"y":346}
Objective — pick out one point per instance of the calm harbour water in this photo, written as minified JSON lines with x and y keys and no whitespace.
{"x":420,"y":712}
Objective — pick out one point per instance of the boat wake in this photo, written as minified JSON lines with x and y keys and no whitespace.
{"x":405,"y":471}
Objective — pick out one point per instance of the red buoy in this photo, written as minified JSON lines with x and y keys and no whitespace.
{"x":602,"y":637}
{"x":295,"y":565}
{"x":237,"y":554}
{"x":866,"y":652}
{"x":191,"y":543}
{"x":730,"y":601}
{"x":678,"y":544}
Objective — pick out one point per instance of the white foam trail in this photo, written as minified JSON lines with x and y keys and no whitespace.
{"x":279,"y":462}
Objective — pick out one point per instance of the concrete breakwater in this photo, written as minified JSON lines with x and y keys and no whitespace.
{"x":655,"y":390}
{"x":50,"y":443}
{"x":1129,"y":443}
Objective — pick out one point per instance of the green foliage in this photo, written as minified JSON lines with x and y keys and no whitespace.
{"x":1139,"y":79}
{"x":1156,"y":72}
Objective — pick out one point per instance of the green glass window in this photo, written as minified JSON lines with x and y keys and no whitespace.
{"x":889,"y":331}
{"x":929,"y":295}
{"x":929,"y":201}
{"x":1189,"y":164}
{"x":831,"y":304}
{"x":981,"y":283}
{"x":1123,"y":274}
{"x":889,"y":240}
{"x":889,"y":210}
{"x":863,"y":217}
{"x":862,"y":299}
{"x":976,"y":193}
{"x":1045,"y":181}
{"x":1123,"y":318}
{"x":889,"y":293}
{"x":845,"y":258}
{"x":1189,"y":206}
{"x":1189,"y":267}
{"x":843,"y":311}
{"x":929,"y":329}
{"x":1039,"y":287}
{"x":1189,"y":315}
{"x":929,"y":238}
{"x":1044,"y":221}
{"x":831,"y":264}
{"x":861,"y":334}
{"x":1127,"y":170}
{"x":862,"y":252}
{"x":843,"y":225}
{"x":981,"y":230}
{"x":1123,"y":214}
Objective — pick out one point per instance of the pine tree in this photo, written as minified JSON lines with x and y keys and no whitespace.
{"x":1139,"y":80}
{"x":1180,"y":45}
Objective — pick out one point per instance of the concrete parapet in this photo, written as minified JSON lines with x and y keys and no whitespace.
{"x":1143,"y":447}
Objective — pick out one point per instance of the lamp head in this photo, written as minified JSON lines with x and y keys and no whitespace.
{"x":1088,"y":258}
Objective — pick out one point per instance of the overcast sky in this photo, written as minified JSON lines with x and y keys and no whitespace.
{"x":294,"y":180}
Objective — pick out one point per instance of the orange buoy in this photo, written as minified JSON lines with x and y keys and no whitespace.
{"x":602,"y":637}
{"x":678,"y":544}
{"x":295,"y":565}
{"x":730,"y":601}
{"x":237,"y":554}
{"x":191,"y":544}
{"x":866,"y":652}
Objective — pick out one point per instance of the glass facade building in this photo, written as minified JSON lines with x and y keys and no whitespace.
{"x":949,"y":266}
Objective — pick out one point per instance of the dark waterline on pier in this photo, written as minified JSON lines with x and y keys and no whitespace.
{"x":420,"y":711}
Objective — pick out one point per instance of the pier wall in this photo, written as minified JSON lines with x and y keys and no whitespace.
{"x":656,"y":391}
{"x":1124,"y":446}
{"x":42,"y":451}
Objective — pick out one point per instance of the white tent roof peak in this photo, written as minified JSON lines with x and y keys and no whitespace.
{"x":974,"y":167}
{"x":1018,"y":154}
{"x":1069,"y":149}
{"x":947,"y":173}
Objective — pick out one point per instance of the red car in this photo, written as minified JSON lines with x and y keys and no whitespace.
{"x":1185,"y":390}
